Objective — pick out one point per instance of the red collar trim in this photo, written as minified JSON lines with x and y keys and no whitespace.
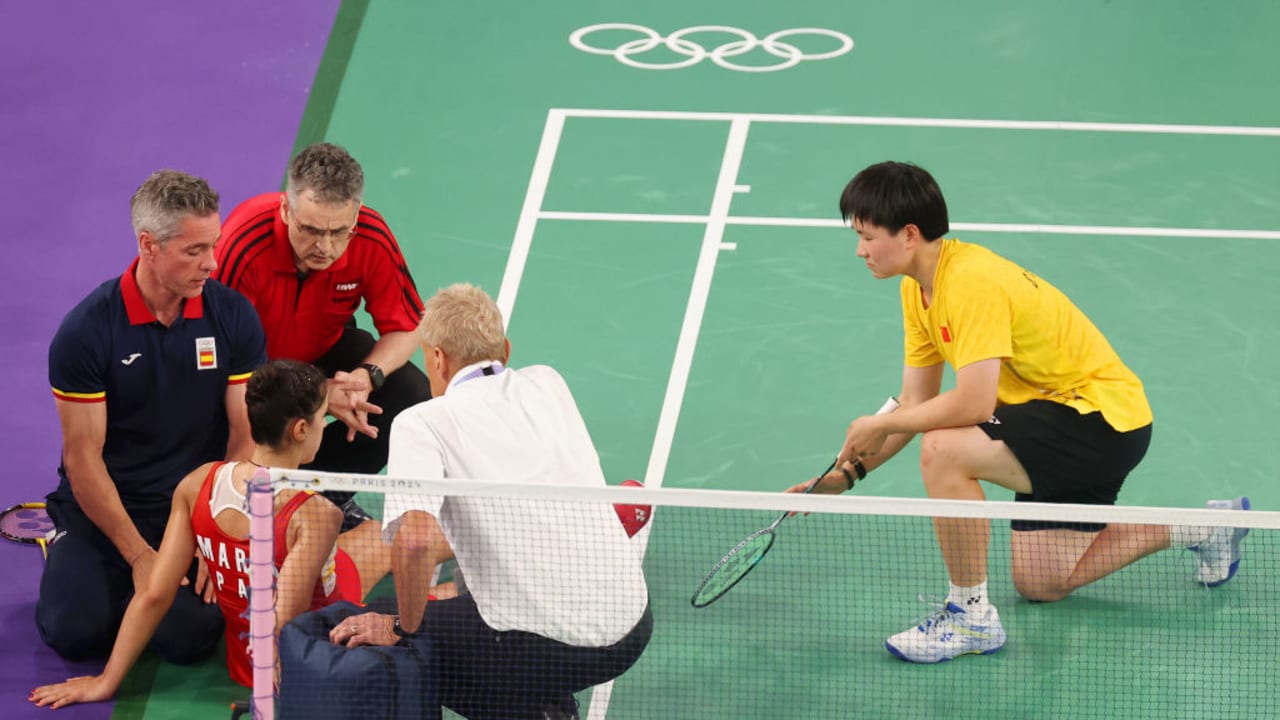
{"x":136,"y":307}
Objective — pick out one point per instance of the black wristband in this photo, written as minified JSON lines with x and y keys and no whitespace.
{"x":859,"y":468}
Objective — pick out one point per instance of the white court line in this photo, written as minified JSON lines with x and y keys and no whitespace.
{"x":1028,"y":228}
{"x":533,"y":198}
{"x":726,"y":186}
{"x":962,"y":123}
{"x":711,"y":240}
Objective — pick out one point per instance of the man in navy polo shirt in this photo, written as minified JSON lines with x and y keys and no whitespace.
{"x":148,"y":373}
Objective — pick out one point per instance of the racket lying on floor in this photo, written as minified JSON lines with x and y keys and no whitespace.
{"x":27,"y":523}
{"x":744,"y":556}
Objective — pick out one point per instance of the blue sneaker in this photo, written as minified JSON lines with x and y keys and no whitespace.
{"x":947,"y":633}
{"x":1218,"y":557}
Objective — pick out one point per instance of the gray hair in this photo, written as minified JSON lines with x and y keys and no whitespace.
{"x":327,"y":170}
{"x":165,"y":198}
{"x":464,"y":322}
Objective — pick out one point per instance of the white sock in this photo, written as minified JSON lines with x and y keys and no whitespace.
{"x":970,"y":599}
{"x":1181,"y":536}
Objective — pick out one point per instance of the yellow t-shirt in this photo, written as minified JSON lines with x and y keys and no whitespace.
{"x":985,"y":306}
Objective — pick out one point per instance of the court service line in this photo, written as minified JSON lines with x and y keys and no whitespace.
{"x":533,"y":198}
{"x":1027,"y":228}
{"x":678,"y":382}
{"x":959,"y":123}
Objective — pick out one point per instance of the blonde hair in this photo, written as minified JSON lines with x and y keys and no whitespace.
{"x":464,"y":322}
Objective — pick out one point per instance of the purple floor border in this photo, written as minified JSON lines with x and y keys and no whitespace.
{"x":94,"y":97}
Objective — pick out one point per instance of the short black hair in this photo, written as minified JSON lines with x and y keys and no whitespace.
{"x":280,"y":392}
{"x":893,"y":195}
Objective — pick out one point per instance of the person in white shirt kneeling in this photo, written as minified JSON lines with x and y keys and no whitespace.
{"x":558,"y":600}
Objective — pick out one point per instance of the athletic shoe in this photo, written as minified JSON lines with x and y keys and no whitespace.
{"x":948,"y":633}
{"x":1218,"y":557}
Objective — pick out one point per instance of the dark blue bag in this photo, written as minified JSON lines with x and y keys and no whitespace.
{"x":321,"y":680}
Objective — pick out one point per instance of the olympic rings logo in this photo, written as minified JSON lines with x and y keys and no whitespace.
{"x":693,"y":53}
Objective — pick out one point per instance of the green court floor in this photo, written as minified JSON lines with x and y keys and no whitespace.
{"x":680,"y":259}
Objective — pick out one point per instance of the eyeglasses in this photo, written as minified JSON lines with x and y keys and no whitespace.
{"x":336,"y":235}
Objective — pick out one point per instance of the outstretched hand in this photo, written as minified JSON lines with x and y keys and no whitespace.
{"x":349,"y":402}
{"x":833,"y":483}
{"x":83,"y":689}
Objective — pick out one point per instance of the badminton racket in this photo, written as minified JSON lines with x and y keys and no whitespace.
{"x":744,"y":556}
{"x":28,"y":523}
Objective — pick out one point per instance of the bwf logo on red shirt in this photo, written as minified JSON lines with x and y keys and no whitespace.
{"x":344,"y":287}
{"x":946,"y":334}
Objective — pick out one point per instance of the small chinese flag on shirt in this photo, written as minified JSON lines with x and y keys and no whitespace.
{"x":946,"y":334}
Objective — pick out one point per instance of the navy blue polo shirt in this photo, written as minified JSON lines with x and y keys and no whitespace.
{"x":164,"y":387}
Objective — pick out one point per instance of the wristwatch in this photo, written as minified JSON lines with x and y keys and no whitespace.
{"x":375,"y":375}
{"x":401,"y":632}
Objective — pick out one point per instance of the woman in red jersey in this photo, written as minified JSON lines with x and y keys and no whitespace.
{"x":287,"y":403}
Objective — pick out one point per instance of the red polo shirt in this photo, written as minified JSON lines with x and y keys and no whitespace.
{"x":304,"y":315}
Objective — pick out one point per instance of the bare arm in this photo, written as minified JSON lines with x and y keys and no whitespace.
{"x":392,"y":351}
{"x":918,"y":386}
{"x":971,"y":402}
{"x":145,"y":611}
{"x":418,"y":547}
{"x":84,"y":433}
{"x":239,"y":440}
{"x":313,"y":531}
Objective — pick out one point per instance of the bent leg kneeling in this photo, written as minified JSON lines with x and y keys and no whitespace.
{"x":1043,"y":561}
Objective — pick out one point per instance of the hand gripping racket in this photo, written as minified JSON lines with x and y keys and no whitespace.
{"x":744,"y":556}
{"x":27,"y":523}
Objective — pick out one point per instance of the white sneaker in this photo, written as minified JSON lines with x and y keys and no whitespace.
{"x":947,"y":633}
{"x":1218,"y":557}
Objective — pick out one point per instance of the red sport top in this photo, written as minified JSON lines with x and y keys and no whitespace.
{"x":304,"y":315}
{"x":227,"y":558}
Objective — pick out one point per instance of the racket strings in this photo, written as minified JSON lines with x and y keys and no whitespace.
{"x":27,"y":523}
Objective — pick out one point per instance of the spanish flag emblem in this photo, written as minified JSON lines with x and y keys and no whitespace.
{"x":206,"y":354}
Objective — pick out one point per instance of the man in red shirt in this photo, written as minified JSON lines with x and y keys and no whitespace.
{"x":306,"y":258}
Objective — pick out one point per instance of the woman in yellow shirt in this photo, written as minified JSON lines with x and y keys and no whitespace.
{"x":1042,"y":405}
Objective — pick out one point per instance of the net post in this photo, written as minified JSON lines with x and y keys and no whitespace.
{"x":262,"y":594}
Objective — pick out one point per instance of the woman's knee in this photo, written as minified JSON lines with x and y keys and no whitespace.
{"x":1037,"y":590}
{"x":940,"y":467}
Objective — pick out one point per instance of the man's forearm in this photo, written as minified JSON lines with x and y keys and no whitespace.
{"x":99,"y":500}
{"x":411,"y":568}
{"x":393,"y":350}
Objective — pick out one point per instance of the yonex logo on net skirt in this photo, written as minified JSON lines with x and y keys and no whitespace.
{"x":693,"y":53}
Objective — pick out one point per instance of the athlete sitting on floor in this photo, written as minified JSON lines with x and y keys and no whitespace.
{"x":287,"y":404}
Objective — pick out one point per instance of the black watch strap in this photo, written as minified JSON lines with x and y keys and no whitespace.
{"x":401,"y":632}
{"x":375,"y":375}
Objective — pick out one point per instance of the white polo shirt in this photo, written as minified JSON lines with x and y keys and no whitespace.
{"x":564,"y":571}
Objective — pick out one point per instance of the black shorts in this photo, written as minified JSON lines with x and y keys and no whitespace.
{"x":1070,"y":458}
